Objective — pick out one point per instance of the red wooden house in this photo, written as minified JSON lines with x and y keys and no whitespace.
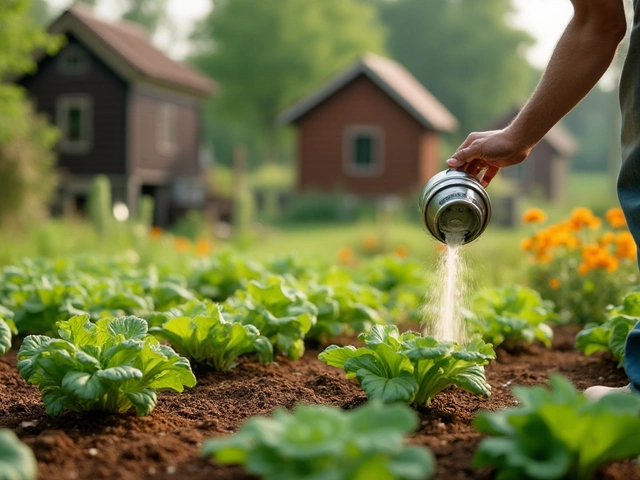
{"x":124,"y":109}
{"x":373,"y":130}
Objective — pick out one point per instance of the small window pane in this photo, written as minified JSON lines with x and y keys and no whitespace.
{"x":363,"y":154}
{"x":74,"y":124}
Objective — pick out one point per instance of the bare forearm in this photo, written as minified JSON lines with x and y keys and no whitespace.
{"x":582,"y":56}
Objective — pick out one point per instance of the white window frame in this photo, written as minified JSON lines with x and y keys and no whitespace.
{"x":351,"y":132}
{"x":85,"y":104}
{"x":79,"y":69}
{"x":167,"y":128}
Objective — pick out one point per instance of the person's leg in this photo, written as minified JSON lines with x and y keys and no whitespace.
{"x":632,"y":357}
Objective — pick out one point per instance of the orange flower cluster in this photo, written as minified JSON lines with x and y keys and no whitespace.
{"x":155,"y":233}
{"x":584,"y":217}
{"x":370,"y":242}
{"x":604,"y":254}
{"x":596,"y":256}
{"x":181,"y":244}
{"x":204,"y":247}
{"x":615,"y":218}
{"x":402,"y":251}
{"x":345,"y":256}
{"x":534,"y":215}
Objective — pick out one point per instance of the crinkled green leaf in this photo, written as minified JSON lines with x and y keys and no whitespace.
{"x":17,"y":461}
{"x":84,"y":385}
{"x":5,"y":337}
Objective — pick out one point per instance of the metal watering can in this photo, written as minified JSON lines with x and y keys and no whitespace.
{"x":454,"y":203}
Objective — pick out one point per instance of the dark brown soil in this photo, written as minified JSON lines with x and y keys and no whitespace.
{"x":165,"y":444}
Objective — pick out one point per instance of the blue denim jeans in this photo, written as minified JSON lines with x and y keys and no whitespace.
{"x":629,"y":177}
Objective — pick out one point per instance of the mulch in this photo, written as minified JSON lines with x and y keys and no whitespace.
{"x":165,"y":444}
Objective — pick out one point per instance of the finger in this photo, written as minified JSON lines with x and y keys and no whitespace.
{"x":474,"y":167}
{"x":489,"y":175}
{"x":464,"y":155}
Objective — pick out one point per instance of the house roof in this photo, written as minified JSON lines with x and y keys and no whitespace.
{"x":395,"y":81}
{"x":129,"y":51}
{"x":558,"y":138}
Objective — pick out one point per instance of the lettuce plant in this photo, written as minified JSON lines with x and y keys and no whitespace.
{"x":282,"y":314}
{"x":411,"y":368}
{"x":511,"y":315}
{"x":320,"y":442}
{"x":612,"y":334}
{"x":17,"y":461}
{"x":343,"y":307}
{"x":558,"y":434}
{"x":218,"y":277}
{"x":210,"y":338}
{"x":112,"y":365}
{"x":7,"y":328}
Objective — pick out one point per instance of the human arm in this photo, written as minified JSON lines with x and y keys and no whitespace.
{"x":582,"y":55}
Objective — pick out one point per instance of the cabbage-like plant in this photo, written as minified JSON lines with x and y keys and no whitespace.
{"x":511,"y":315}
{"x":206,"y":336}
{"x":282,"y":314}
{"x":17,"y":461}
{"x":320,"y":442}
{"x":112,"y":365}
{"x":558,"y":434}
{"x":7,"y":328}
{"x":411,"y":368}
{"x":612,"y":334}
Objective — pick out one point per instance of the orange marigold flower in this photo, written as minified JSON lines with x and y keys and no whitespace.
{"x":204,"y":247}
{"x":554,"y":283}
{"x":370,"y":242}
{"x":607,"y":239}
{"x":612,"y":264}
{"x":155,"y":233}
{"x":402,"y":251}
{"x":345,"y":256}
{"x":534,"y":215}
{"x":615,"y":218}
{"x":582,"y":217}
{"x":181,"y":244}
{"x":583,"y":269}
{"x":526,"y":244}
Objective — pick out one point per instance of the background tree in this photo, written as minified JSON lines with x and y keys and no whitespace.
{"x":268,"y":53}
{"x":26,"y":162}
{"x":463,"y":51}
{"x":151,"y":14}
{"x":40,"y":11}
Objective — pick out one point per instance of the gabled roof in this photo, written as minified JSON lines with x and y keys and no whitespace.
{"x":127,"y":49}
{"x":395,"y":81}
{"x":558,"y":138}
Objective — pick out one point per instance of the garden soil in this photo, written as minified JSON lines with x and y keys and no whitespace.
{"x":165,"y":444}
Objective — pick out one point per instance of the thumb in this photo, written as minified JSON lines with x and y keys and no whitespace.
{"x":464,"y":155}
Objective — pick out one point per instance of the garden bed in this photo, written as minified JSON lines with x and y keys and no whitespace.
{"x":165,"y":444}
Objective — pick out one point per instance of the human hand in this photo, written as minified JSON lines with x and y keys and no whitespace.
{"x":488,"y":151}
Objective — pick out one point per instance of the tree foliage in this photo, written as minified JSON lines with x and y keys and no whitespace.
{"x":26,"y":139}
{"x":151,"y":14}
{"x":463,"y":51}
{"x":268,"y":53}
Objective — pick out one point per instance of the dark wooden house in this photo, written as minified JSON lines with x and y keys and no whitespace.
{"x":373,"y":130}
{"x":547,"y":170}
{"x":124,"y":109}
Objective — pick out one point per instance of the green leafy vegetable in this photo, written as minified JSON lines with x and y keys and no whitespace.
{"x":112,"y":365}
{"x":7,"y":329}
{"x":558,"y":434}
{"x":511,"y":315}
{"x":612,"y":334}
{"x":208,"y":338}
{"x":411,"y":368}
{"x":218,"y":277}
{"x":282,"y":314}
{"x":326,"y":443}
{"x":17,"y":461}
